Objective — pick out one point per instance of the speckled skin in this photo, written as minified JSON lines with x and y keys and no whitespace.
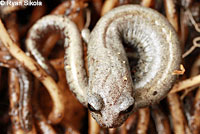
{"x":110,"y":89}
{"x":158,"y":47}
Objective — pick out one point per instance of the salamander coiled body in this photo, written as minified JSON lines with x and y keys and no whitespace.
{"x":158,"y":51}
{"x":110,"y":92}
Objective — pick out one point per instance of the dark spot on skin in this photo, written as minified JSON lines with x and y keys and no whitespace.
{"x":155,"y":93}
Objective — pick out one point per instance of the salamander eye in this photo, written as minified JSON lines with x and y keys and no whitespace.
{"x":128,"y":110}
{"x":91,"y":108}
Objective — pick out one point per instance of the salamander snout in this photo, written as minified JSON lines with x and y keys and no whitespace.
{"x":111,"y":112}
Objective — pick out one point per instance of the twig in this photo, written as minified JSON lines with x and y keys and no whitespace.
{"x":58,"y":108}
{"x":94,"y":127}
{"x":194,"y":46}
{"x":36,"y":14}
{"x":188,"y":83}
{"x":195,"y":40}
{"x":123,"y":129}
{"x":196,"y":25}
{"x":70,"y":130}
{"x":147,"y":3}
{"x":23,"y":79}
{"x":194,"y":72}
{"x":195,"y":120}
{"x":107,"y":6}
{"x":178,"y":118}
{"x":183,"y":29}
{"x":112,"y":130}
{"x":58,"y":63}
{"x":131,"y":122}
{"x":161,"y":120}
{"x":41,"y":122}
{"x":7,"y":61}
{"x":171,"y":13}
{"x":97,"y":6}
{"x":143,"y":120}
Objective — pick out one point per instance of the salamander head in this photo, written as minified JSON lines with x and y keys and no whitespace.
{"x":110,"y":90}
{"x":111,"y":114}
